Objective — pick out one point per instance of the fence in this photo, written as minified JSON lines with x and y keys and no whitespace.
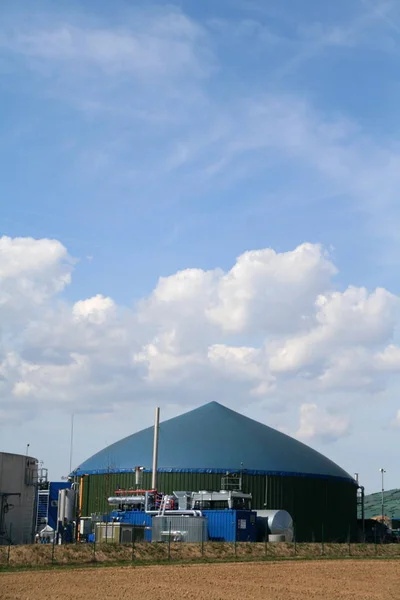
{"x":183,"y":539}
{"x":42,"y":555}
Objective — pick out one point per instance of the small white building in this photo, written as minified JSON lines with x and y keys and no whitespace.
{"x":18,"y":479}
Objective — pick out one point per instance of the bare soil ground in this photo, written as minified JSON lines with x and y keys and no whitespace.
{"x":322,"y":579}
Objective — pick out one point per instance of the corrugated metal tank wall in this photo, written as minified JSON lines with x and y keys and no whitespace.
{"x":18,"y":477}
{"x":321,"y":508}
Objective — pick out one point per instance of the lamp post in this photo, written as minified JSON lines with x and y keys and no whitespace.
{"x":382,"y":471}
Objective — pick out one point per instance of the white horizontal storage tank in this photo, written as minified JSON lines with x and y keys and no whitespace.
{"x":18,"y":479}
{"x":280,"y":523}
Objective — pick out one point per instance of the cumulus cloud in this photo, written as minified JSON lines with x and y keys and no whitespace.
{"x":389,"y":359}
{"x":95,"y":310}
{"x":319,"y":423}
{"x":32,"y":270}
{"x":396,"y":420}
{"x":272,"y":330}
{"x":345,"y":324}
{"x":261,"y":290}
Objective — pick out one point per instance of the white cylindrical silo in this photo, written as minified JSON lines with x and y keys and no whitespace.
{"x":66,"y":505}
{"x":61,"y":505}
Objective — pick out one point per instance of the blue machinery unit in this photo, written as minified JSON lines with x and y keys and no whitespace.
{"x":227,"y":512}
{"x":223,"y":525}
{"x":47,"y":503}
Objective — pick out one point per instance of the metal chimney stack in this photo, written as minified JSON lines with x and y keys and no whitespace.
{"x":155,"y":450}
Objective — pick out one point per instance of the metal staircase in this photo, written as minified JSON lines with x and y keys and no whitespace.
{"x":42,"y":511}
{"x":163,"y":505}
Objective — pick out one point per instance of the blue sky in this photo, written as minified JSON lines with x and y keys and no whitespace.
{"x":157,"y":137}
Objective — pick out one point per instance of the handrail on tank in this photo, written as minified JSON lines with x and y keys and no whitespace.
{"x":132,"y":492}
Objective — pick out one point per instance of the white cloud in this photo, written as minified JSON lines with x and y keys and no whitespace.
{"x":31,"y":272}
{"x":258,"y":292}
{"x":389,"y":359}
{"x":396,"y":420}
{"x":318,"y":423}
{"x":95,"y":310}
{"x":161,"y":43}
{"x":22,"y":388}
{"x":345,"y":325}
{"x":271,"y":330}
{"x":37,"y":266}
{"x":163,"y":358}
{"x":349,"y":369}
{"x":264,"y":291}
{"x":182,"y":294}
{"x":357,"y":316}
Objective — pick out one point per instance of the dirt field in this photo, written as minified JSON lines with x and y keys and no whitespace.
{"x":327,"y":580}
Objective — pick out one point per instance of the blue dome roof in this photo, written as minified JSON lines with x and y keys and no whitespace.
{"x":214,"y":439}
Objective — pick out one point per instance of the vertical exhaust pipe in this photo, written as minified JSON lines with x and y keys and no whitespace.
{"x":155,"y":450}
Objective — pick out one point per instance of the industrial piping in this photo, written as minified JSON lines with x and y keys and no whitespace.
{"x":155,"y":449}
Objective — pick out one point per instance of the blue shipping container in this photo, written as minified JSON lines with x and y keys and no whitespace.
{"x":231,"y":525}
{"x":223,"y":525}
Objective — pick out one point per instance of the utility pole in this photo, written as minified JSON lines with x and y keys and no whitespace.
{"x":71,"y":445}
{"x":382,"y":471}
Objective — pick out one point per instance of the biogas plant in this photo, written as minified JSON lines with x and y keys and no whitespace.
{"x":209,"y":474}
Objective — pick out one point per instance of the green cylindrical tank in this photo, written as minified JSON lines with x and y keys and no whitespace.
{"x":198,"y":449}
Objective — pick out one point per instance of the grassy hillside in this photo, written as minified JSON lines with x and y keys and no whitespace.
{"x":392,"y":504}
